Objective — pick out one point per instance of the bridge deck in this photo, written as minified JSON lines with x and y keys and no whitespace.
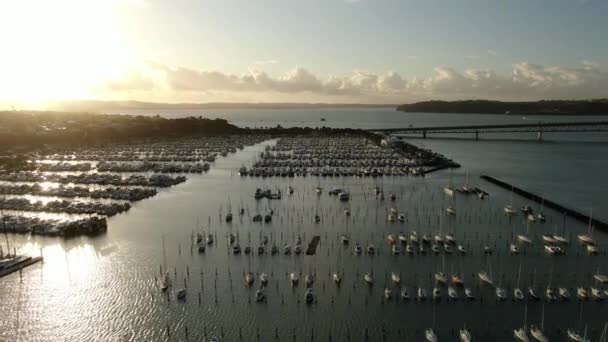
{"x":504,"y":128}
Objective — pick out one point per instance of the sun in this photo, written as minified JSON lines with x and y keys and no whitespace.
{"x":54,"y":50}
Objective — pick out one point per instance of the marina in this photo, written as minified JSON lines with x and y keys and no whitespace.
{"x":388,"y":246}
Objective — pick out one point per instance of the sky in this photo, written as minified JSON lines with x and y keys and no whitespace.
{"x":338,"y":51}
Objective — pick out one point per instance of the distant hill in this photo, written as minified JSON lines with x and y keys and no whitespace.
{"x":101,"y":106}
{"x":557,"y":107}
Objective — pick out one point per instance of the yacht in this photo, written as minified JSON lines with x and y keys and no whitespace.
{"x":294,"y":278}
{"x":309,"y":279}
{"x":465,"y":335}
{"x":249,"y":278}
{"x":181,"y":294}
{"x":264,"y":279}
{"x":395,"y":278}
{"x":575,"y":337}
{"x":441,"y":278}
{"x":166,"y":282}
{"x":396,"y":249}
{"x":357,"y":248}
{"x":404,"y":293}
{"x":524,"y":239}
{"x":452,"y":294}
{"x":368,"y":278}
{"x":581,"y":293}
{"x":388,"y":293}
{"x":501,"y":294}
{"x":457,"y":280}
{"x":468,"y":294}
{"x":436,"y":293}
{"x":461,"y":249}
{"x":532,"y":293}
{"x":509,"y":210}
{"x":309,"y":295}
{"x":513,"y":249}
{"x":538,"y":334}
{"x":371,"y":249}
{"x":421,"y":294}
{"x":485,"y":277}
{"x":260,"y":296}
{"x":430,"y":335}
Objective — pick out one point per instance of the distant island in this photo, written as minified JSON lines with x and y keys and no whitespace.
{"x":543,"y":107}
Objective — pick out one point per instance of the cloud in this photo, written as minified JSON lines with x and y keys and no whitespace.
{"x":526,"y":81}
{"x":266,"y":62}
{"x":492,"y":52}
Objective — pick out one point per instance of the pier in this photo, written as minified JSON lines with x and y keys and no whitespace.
{"x":19,"y":266}
{"x":538,"y":128}
{"x":550,"y":204}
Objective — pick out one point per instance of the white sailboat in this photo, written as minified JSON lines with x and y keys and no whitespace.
{"x":587,"y":238}
{"x":521,"y":334}
{"x":537,"y":332}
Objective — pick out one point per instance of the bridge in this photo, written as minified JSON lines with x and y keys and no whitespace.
{"x":536,"y":128}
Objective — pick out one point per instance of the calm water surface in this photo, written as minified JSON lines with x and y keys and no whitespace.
{"x":106,"y":288}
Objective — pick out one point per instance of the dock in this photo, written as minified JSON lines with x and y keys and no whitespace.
{"x":548,"y":203}
{"x":19,"y":266}
{"x":312,"y":246}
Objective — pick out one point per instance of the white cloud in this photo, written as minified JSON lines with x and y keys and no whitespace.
{"x":526,"y":81}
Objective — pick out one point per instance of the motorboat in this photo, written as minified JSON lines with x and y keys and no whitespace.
{"x":295,"y":279}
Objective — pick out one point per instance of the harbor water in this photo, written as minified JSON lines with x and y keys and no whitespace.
{"x":107,"y":288}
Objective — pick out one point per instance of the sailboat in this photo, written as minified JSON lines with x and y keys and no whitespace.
{"x":430,"y":333}
{"x":449,"y":190}
{"x":525,"y":238}
{"x":517,"y":292}
{"x":573,"y":335}
{"x":521,"y":334}
{"x":587,"y":238}
{"x":509,"y":208}
{"x":540,"y":216}
{"x":537,"y":332}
